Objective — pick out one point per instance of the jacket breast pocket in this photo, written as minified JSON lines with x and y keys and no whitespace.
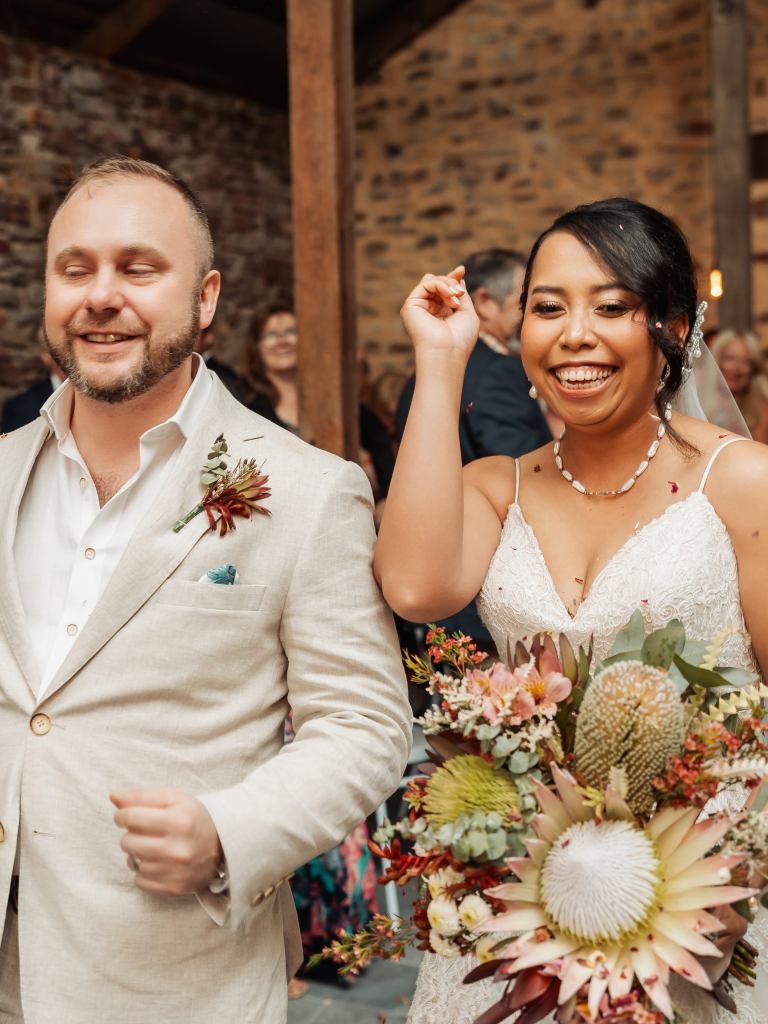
{"x":212,"y":596}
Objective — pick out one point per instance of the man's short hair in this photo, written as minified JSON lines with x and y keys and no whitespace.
{"x":494,"y":270}
{"x":108,"y":168}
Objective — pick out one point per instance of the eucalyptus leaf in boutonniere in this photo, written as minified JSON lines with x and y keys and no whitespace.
{"x":230,"y":492}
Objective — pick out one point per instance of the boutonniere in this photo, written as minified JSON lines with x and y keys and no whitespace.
{"x":230,"y":492}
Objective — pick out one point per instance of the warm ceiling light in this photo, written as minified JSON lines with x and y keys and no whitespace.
{"x":715,"y":284}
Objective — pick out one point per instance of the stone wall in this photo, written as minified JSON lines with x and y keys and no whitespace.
{"x":61,"y":110}
{"x":507,"y":113}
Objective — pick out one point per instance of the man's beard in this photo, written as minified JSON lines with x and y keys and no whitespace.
{"x":160,"y":358}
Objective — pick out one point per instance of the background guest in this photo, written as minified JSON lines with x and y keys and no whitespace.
{"x":384,"y":395}
{"x":24,"y":408}
{"x":271,"y":377}
{"x":205,"y":347}
{"x":740,"y":359}
{"x":494,"y":278}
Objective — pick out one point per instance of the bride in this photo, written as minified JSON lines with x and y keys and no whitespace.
{"x":574,"y":537}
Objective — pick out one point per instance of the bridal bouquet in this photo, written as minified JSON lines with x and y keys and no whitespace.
{"x":575,"y":829}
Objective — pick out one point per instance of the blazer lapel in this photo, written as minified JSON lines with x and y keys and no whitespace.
{"x":154,"y":551}
{"x":12,"y":616}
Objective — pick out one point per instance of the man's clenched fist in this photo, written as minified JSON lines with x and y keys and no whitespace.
{"x":172,"y":844}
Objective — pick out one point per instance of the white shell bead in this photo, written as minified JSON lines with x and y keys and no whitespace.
{"x":558,"y":462}
{"x":661,"y":431}
{"x":579,"y":487}
{"x":642,"y":468}
{"x":627,"y":485}
{"x":653,"y":449}
{"x":557,"y":447}
{"x":567,"y":475}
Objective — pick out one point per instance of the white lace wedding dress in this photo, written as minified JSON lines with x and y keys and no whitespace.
{"x":681,"y":565}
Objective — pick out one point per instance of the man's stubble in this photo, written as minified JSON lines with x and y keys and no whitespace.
{"x":161,"y":356}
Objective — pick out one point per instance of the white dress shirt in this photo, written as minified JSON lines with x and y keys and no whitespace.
{"x":66,"y":547}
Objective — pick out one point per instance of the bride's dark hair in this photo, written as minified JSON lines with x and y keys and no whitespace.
{"x":647,"y":253}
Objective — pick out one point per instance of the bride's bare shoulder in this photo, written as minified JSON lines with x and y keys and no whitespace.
{"x":496,"y":478}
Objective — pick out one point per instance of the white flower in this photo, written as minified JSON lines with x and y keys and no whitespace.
{"x":473,"y":910}
{"x":443,"y":915}
{"x":442,"y":946}
{"x":441,"y":880}
{"x":484,"y":948}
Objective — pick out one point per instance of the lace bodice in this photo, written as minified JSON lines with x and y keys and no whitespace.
{"x":681,"y":565}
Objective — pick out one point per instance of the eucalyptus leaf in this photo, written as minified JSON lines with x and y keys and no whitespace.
{"x":515,"y":847}
{"x":518,"y":763}
{"x":758,"y":804}
{"x":446,"y":834}
{"x":478,"y":842}
{"x":661,"y":646}
{"x":695,"y":651}
{"x":213,"y":463}
{"x":737,"y":676}
{"x":497,"y":845}
{"x":677,"y":679}
{"x":505,"y":745}
{"x":208,"y":478}
{"x":529,"y":802}
{"x":533,"y":758}
{"x":462,"y":822}
{"x":477,"y":818}
{"x":494,"y":821}
{"x":631,"y":637}
{"x":484,"y":732}
{"x":624,"y":656}
{"x":698,"y":676}
{"x":460,"y":849}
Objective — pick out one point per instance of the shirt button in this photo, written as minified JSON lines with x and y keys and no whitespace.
{"x":83,"y":483}
{"x":40,"y":725}
{"x":71,"y":629}
{"x":90,"y":553}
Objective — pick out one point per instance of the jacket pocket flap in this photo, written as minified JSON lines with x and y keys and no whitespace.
{"x":212,"y":596}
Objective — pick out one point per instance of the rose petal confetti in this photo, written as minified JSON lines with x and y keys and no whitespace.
{"x":722,"y":435}
{"x":675,"y":486}
{"x":658,"y":323}
{"x":578,"y":580}
{"x":470,"y":406}
{"x":537,"y":468}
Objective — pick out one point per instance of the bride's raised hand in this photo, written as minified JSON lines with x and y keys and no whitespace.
{"x":439,"y":316}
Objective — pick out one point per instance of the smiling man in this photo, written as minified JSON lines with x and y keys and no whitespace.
{"x":150,"y":814}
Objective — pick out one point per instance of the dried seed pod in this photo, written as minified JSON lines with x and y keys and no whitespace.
{"x":632,"y":718}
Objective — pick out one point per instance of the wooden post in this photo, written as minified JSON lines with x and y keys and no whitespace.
{"x":730,"y":80}
{"x":320,"y":57}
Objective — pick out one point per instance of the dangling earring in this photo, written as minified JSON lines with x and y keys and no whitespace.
{"x":664,"y":377}
{"x":533,"y":392}
{"x":668,"y":412}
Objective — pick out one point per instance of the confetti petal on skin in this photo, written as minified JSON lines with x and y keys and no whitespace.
{"x":674,"y":485}
{"x":756,"y":533}
{"x":722,"y":435}
{"x":537,"y":468}
{"x":578,"y":580}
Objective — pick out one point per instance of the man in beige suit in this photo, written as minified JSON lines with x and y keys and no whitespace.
{"x":150,"y":812}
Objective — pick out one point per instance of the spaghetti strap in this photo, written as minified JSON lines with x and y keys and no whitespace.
{"x":714,"y":456}
{"x":517,"y":478}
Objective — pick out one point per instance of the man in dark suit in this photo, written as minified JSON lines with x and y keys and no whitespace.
{"x":24,"y":408}
{"x":498,"y":416}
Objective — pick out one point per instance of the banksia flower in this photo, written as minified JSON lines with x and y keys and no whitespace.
{"x":631,"y":717}
{"x":464,"y":784}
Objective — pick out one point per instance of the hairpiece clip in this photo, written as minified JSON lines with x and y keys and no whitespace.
{"x":693,"y":346}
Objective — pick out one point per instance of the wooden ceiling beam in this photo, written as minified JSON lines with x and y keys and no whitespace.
{"x":396,"y":30}
{"x":120,"y":26}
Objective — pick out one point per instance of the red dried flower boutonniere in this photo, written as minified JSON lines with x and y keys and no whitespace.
{"x":230,"y":492}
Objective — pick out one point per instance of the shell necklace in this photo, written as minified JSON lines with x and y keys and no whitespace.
{"x":630,"y":483}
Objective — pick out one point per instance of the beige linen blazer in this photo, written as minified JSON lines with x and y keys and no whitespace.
{"x":177,"y":683}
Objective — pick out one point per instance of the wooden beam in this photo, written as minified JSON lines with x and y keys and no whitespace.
{"x":120,"y":26}
{"x":321,"y":106}
{"x":730,"y":83}
{"x":399,"y":27}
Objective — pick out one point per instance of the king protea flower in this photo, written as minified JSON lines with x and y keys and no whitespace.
{"x":612,"y":899}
